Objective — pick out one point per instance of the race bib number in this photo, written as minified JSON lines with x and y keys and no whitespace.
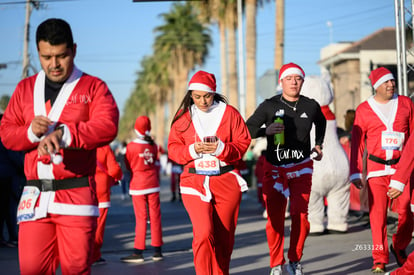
{"x":392,"y":140}
{"x":207,"y":165}
{"x":292,"y":175}
{"x":25,"y":211}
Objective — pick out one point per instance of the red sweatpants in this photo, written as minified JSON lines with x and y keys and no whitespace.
{"x":214,"y":225}
{"x":275,"y":201}
{"x":140,"y":203}
{"x":54,"y":240}
{"x":378,"y":204}
{"x":407,"y":268}
{"x":99,"y":235}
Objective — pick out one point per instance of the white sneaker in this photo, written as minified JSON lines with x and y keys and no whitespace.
{"x":295,"y":268}
{"x":277,"y":270}
{"x":264,"y":214}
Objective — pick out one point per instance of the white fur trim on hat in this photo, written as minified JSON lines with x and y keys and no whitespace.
{"x":147,"y":133}
{"x":290,"y":71}
{"x":383,"y":79}
{"x":200,"y":87}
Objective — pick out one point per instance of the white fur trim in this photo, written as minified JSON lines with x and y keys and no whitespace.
{"x":397,"y":185}
{"x":241,"y":181}
{"x":356,"y":176}
{"x":192,"y":191}
{"x":144,"y":191}
{"x":31,"y":136}
{"x":66,"y":138}
{"x":200,"y":87}
{"x":291,"y":71}
{"x":105,"y":204}
{"x":73,"y":209}
{"x":220,"y":148}
{"x":386,"y":172}
{"x":279,"y":187}
{"x":383,"y":79}
{"x":147,"y":133}
{"x":193,"y":153}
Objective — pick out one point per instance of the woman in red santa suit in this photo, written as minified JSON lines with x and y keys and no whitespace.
{"x":140,"y":159}
{"x":107,"y":173}
{"x":209,"y":137}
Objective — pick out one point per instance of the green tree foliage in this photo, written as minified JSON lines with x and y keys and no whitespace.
{"x":181,"y":43}
{"x":4,"y":101}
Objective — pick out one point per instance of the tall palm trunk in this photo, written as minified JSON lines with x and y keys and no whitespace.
{"x":280,"y":34}
{"x":250,"y":57}
{"x":232,"y":57}
{"x":223,"y":63}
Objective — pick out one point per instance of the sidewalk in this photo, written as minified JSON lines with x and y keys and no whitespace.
{"x":328,"y":254}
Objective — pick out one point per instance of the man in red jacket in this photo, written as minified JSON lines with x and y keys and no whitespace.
{"x":382,"y":125}
{"x":59,"y":117}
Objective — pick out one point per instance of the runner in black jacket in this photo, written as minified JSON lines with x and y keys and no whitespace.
{"x":288,"y":170}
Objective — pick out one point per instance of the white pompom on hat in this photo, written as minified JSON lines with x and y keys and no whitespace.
{"x":203,"y":81}
{"x":379,"y":76}
{"x":289,"y":69}
{"x":142,"y":126}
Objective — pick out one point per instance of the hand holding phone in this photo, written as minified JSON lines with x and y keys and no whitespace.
{"x":210,"y":139}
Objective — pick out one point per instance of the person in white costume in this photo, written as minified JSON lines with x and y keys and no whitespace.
{"x":330,"y":178}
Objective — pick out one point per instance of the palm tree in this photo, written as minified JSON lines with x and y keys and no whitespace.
{"x":231,"y":24}
{"x":250,"y":57}
{"x":280,"y":34}
{"x":184,"y":42}
{"x":213,"y":12}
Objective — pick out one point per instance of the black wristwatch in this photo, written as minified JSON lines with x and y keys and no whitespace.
{"x":62,"y":128}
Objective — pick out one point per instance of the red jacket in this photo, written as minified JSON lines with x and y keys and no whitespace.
{"x":368,"y":128}
{"x":107,"y":173}
{"x":233,"y":135}
{"x":141,"y":160}
{"x":87,"y":109}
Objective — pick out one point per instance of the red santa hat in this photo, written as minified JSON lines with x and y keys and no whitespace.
{"x":142,"y":126}
{"x":203,"y":81}
{"x":379,"y":76}
{"x":290,"y":68}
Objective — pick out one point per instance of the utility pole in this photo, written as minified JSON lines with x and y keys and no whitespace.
{"x":280,"y":34}
{"x":26,"y":61}
{"x":242,"y":91}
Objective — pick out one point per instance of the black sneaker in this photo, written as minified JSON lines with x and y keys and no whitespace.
{"x":157,"y":257}
{"x":399,"y":255}
{"x":134,"y":258}
{"x":99,"y":262}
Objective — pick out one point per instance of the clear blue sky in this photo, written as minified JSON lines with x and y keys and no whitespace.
{"x":114,"y":35}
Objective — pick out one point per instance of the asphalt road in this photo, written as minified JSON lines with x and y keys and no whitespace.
{"x":328,"y":254}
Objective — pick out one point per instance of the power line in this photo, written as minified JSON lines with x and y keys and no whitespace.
{"x":24,"y":2}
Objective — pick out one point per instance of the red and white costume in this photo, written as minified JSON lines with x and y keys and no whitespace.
{"x":140,"y":159}
{"x":212,"y":246}
{"x":371,"y":127}
{"x":259,"y":173}
{"x":87,"y":110}
{"x":107,"y":173}
{"x":210,"y":184}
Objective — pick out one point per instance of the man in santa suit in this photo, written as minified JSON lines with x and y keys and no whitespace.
{"x":108,"y":172}
{"x":209,"y":137}
{"x":382,"y":125}
{"x":289,"y":167}
{"x":59,"y":117}
{"x":398,"y":183}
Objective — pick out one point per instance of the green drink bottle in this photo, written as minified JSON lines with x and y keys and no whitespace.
{"x":280,"y":137}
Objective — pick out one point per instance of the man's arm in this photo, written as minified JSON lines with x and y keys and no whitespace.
{"x":255,"y":122}
{"x":101,"y":127}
